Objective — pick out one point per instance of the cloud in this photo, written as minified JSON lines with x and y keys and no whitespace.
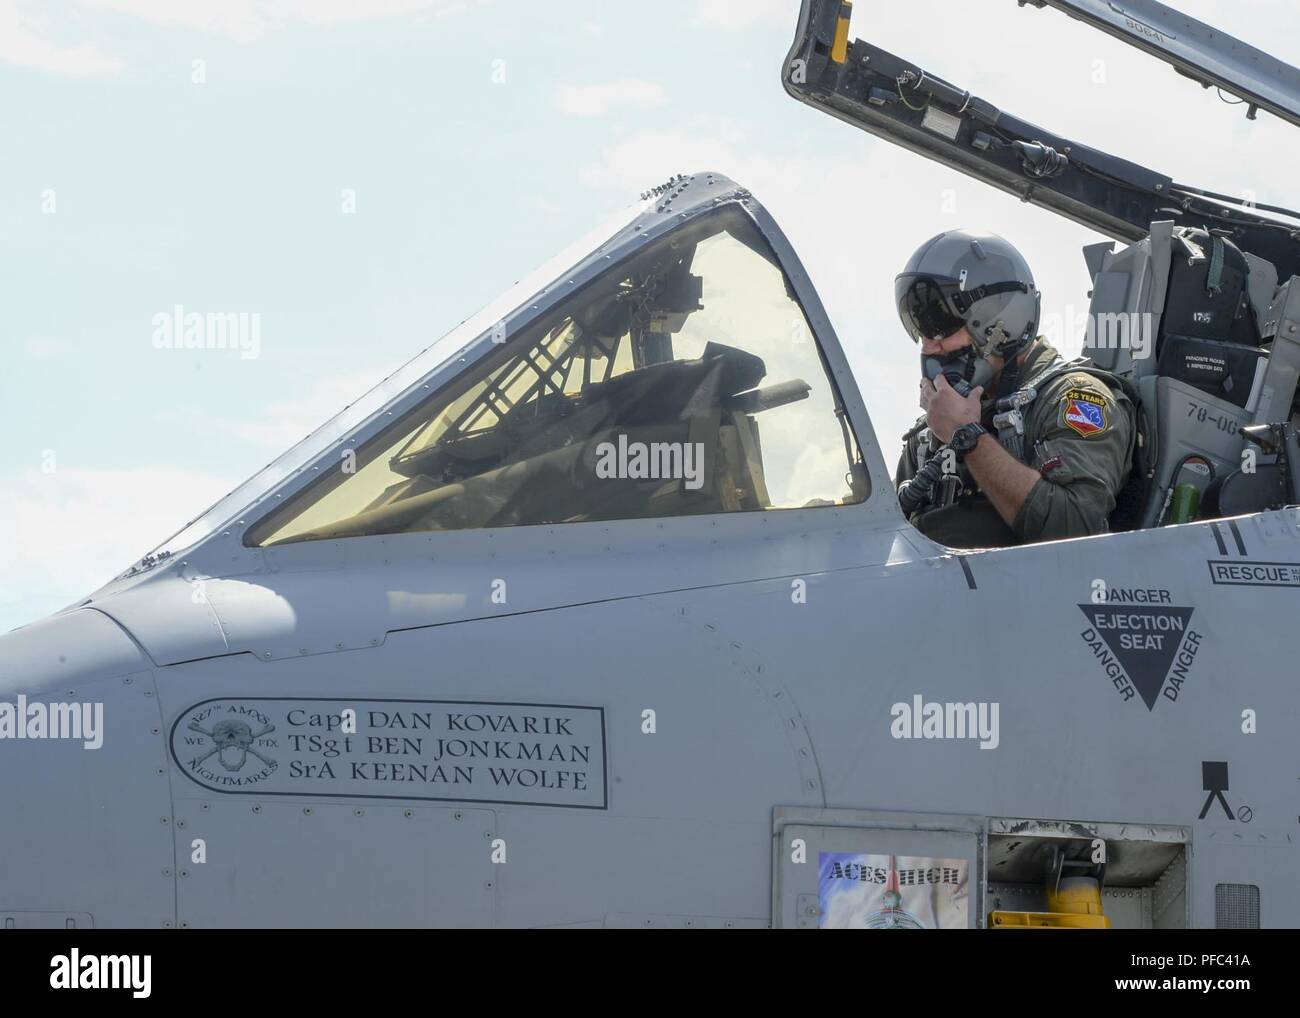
{"x":329,"y":12}
{"x":80,"y":528}
{"x":597,"y":100}
{"x":543,"y":204}
{"x":280,"y":424}
{"x":737,"y":14}
{"x":24,"y":41}
{"x":720,"y":144}
{"x":42,"y":349}
{"x":250,"y":20}
{"x":28,"y":39}
{"x":240,"y":20}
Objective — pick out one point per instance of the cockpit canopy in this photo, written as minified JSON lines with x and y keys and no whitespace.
{"x":684,"y":380}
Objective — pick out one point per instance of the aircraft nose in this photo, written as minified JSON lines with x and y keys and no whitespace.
{"x":86,"y":802}
{"x":79,"y":645}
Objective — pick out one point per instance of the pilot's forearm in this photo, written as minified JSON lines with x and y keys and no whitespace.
{"x":1005,"y":481}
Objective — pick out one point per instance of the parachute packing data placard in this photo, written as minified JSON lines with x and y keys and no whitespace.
{"x":892,"y":892}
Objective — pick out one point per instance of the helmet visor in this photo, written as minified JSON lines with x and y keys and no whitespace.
{"x":926,"y":307}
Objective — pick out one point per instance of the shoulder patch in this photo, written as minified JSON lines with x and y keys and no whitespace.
{"x":1084,"y":411}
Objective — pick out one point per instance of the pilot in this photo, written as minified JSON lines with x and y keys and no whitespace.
{"x":1016,"y":445}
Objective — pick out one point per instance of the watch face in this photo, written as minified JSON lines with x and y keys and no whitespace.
{"x":965,"y":438}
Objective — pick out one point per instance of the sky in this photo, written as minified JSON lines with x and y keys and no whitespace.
{"x":362,"y":175}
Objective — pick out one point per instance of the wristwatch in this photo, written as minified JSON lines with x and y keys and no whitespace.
{"x":965,"y":438}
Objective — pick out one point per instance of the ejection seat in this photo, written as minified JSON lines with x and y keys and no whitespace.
{"x":1209,"y":344}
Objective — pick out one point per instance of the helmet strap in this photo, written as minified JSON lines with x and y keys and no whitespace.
{"x":1009,"y":380}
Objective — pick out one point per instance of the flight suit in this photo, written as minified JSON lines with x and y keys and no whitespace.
{"x":1079,"y":435}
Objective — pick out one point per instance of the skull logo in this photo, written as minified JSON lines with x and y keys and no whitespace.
{"x":232,"y":741}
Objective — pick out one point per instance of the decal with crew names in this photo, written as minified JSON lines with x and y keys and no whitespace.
{"x":535,"y":754}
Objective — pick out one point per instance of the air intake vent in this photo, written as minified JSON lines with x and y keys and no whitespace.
{"x":1236,"y":907}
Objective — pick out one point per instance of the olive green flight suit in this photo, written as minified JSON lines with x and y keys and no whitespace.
{"x":1079,"y":435}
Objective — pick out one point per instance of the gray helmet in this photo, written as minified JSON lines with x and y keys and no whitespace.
{"x":973,"y":279}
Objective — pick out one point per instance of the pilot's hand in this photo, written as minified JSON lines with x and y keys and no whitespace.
{"x":945,"y":411}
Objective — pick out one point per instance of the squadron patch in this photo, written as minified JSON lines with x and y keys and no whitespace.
{"x":1084,"y":412}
